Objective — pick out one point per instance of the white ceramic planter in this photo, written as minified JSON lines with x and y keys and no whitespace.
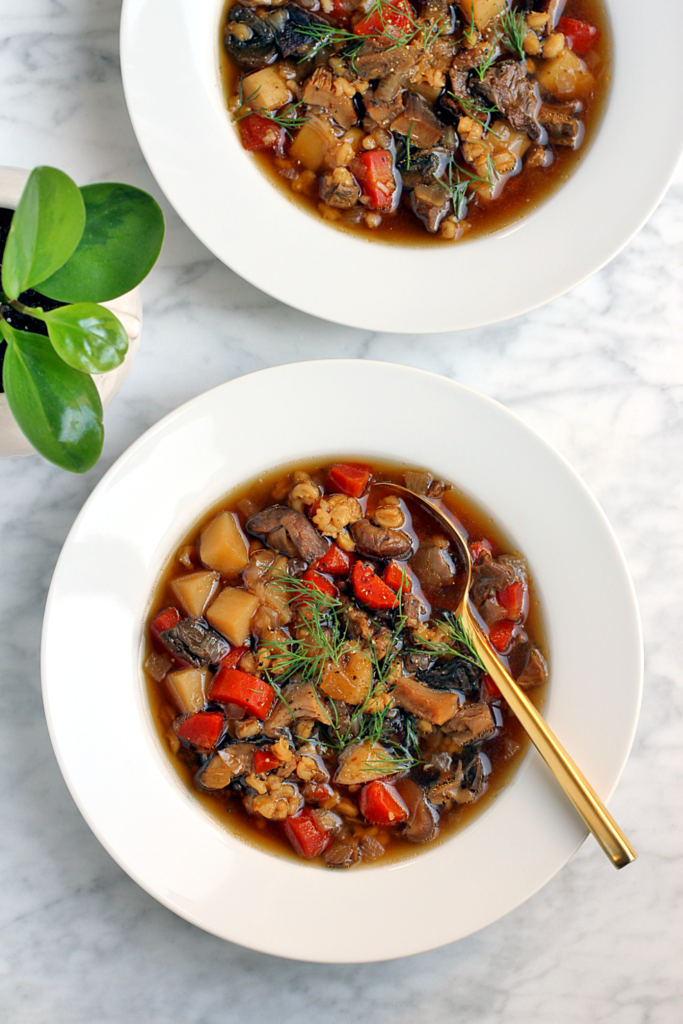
{"x":128,"y":308}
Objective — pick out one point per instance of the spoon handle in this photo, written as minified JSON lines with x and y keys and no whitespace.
{"x":578,"y":789}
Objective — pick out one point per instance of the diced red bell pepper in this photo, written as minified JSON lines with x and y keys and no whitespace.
{"x":580,"y":35}
{"x":512,"y":599}
{"x":306,"y":835}
{"x":167,"y":619}
{"x":395,"y":18}
{"x":203,"y":729}
{"x":231,"y":686}
{"x":478,"y":547}
{"x":381,"y":804}
{"x":318,"y":792}
{"x":491,"y":688}
{"x":265,"y":760}
{"x":335,"y":561}
{"x":394,"y":576}
{"x":500,"y":634}
{"x":259,"y":132}
{"x":233,"y":657}
{"x":376,"y":175}
{"x":370,"y":589}
{"x":350,"y":477}
{"x":316,"y":581}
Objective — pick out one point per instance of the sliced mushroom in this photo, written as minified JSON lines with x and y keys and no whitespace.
{"x":433,"y":565}
{"x":418,"y":698}
{"x":249,"y":40}
{"x":341,"y":855}
{"x":455,"y":674}
{"x":423,"y":819}
{"x":379,"y":541}
{"x":471,"y":723}
{"x":227,"y":765}
{"x":193,"y":641}
{"x":286,"y":530}
{"x":300,"y":700}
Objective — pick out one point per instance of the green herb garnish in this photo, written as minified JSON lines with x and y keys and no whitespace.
{"x":514,"y":30}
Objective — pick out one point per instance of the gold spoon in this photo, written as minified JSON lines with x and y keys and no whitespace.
{"x":578,"y":789}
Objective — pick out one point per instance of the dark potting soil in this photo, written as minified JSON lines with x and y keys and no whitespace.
{"x":20,"y":321}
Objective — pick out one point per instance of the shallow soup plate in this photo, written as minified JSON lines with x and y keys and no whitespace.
{"x":172,"y":80}
{"x":122,"y":779}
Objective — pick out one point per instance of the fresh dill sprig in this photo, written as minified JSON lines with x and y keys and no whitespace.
{"x":487,"y":60}
{"x":285,"y":121}
{"x":514,"y":30}
{"x":456,"y":643}
{"x":472,"y":32}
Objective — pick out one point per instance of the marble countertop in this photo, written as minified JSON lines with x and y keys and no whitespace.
{"x":598,"y":372}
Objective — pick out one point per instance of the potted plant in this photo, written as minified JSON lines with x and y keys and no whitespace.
{"x":72,"y":260}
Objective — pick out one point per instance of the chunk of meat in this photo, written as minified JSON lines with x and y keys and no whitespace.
{"x":300,"y":700}
{"x":491,"y":611}
{"x":193,"y":641}
{"x":286,"y":530}
{"x":379,"y":541}
{"x":379,"y":58}
{"x":363,"y":762}
{"x":527,"y":664}
{"x":489,"y":576}
{"x":418,"y":698}
{"x":454,"y":674}
{"x":471,"y":723}
{"x":338,"y":188}
{"x":229,"y":764}
{"x":508,"y":88}
{"x":319,"y":91}
{"x":418,"y":121}
{"x":562,"y":128}
{"x":423,"y":819}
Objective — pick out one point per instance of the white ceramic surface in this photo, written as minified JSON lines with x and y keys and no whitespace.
{"x":128,"y":308}
{"x":169,"y":61}
{"x":136,"y":805}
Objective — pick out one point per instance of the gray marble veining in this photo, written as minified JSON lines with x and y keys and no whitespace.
{"x":598,"y":372}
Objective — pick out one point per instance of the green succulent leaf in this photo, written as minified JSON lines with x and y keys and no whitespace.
{"x":57,"y":408}
{"x":87,"y":336}
{"x":46,"y":228}
{"x":124,"y":229}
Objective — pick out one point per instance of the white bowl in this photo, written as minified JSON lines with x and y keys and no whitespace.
{"x":100,"y":721}
{"x":169,"y":62}
{"x":128,"y":308}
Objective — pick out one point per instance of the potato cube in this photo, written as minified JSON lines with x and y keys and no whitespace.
{"x":269,"y":89}
{"x":188,"y":688}
{"x":222,"y":546}
{"x":481,"y":11}
{"x":312,"y":144}
{"x":565,"y":76}
{"x":231,"y":614}
{"x":195,"y":590}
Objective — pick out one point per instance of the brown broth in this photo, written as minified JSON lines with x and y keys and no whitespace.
{"x":505,"y":751}
{"x":523,"y":193}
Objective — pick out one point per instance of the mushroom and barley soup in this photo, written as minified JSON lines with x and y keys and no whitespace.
{"x":310,"y":678}
{"x":414,"y":120}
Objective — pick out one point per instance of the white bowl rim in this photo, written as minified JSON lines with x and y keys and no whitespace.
{"x":563,"y":831}
{"x":171,"y":82}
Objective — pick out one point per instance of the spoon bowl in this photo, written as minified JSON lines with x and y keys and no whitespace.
{"x":582,"y":795}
